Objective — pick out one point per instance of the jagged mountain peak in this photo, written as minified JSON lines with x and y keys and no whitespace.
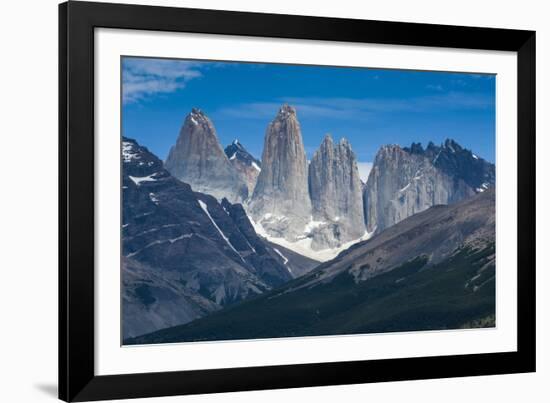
{"x":449,"y":146}
{"x":416,"y":148}
{"x":246,"y":165}
{"x":286,"y":111}
{"x":197,"y":117}
{"x":236,"y":150}
{"x":328,"y":139}
{"x":326,"y":144}
{"x":344,"y":143}
{"x":389,"y":151}
{"x":137,"y":160}
{"x":452,"y":145}
{"x":198,"y":159}
{"x":457,"y":161}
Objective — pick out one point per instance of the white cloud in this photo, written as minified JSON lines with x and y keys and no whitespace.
{"x":364,"y":170}
{"x":360,"y":109}
{"x":142,"y":77}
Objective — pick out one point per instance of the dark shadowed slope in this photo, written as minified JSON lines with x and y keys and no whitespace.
{"x":184,"y":254}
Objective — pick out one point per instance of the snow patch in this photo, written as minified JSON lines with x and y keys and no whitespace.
{"x":138,"y":179}
{"x":153,"y":198}
{"x":303,"y":246}
{"x":405,"y":188}
{"x":256,"y":167}
{"x":475,"y":156}
{"x":128,"y":152}
{"x":205,"y":209}
{"x":483,"y":188}
{"x":312,"y":224}
{"x":233,"y":156}
{"x":158,"y":242}
{"x":285,"y":260}
{"x":437,"y":156}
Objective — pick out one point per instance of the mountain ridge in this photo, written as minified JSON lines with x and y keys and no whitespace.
{"x":405,"y":181}
{"x":208,"y":252}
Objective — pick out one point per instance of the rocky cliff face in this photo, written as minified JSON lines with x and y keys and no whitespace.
{"x":280,"y":202}
{"x":456,"y":161}
{"x":336,"y":195}
{"x":244,"y":163}
{"x":406,"y":181}
{"x":184,"y":253}
{"x":198,"y":159}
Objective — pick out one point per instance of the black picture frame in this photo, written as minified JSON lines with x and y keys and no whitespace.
{"x":77,"y":379}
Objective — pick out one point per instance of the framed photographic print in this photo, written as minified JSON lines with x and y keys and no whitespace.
{"x":255,"y":201}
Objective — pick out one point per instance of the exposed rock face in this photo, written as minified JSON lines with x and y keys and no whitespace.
{"x":198,"y":159}
{"x":244,"y":163}
{"x":458,"y":162}
{"x":404,"y":182}
{"x":184,"y":253}
{"x":280,"y":202}
{"x":336,"y":195}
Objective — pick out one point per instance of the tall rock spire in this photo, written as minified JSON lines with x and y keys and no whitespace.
{"x":280,"y":201}
{"x":336,"y":195}
{"x":198,"y":159}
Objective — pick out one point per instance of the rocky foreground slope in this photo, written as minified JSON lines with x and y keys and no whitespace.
{"x":434,"y":270}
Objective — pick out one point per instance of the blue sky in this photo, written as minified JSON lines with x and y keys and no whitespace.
{"x":370,"y":107}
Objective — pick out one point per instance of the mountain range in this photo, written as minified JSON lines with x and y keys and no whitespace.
{"x":318,"y":207}
{"x":213,"y":238}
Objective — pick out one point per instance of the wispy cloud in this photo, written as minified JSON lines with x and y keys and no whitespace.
{"x":306,"y":108}
{"x":142,"y":77}
{"x":360,"y":108}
